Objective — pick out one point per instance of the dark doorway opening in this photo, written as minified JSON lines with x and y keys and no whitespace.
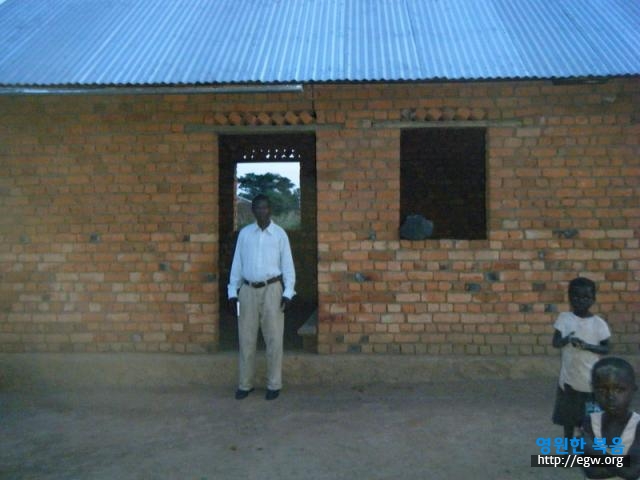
{"x":275,"y":153}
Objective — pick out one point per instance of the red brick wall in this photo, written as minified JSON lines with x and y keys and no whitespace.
{"x":97,"y":196}
{"x":109,"y":233}
{"x":559,"y":157}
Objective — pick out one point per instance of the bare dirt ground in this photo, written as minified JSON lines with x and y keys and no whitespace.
{"x":445,"y":430}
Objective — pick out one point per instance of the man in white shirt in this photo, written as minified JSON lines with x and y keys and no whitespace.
{"x":262,"y":281}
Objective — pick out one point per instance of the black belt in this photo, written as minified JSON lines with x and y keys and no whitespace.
{"x":263,"y":284}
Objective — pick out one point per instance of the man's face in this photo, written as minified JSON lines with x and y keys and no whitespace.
{"x":581,"y":299}
{"x":613,"y":391}
{"x":262,"y":211}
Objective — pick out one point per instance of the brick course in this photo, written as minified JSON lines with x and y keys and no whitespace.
{"x":109,"y":231}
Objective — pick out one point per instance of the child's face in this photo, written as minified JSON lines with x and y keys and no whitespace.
{"x":581,"y":299}
{"x":613,"y":391}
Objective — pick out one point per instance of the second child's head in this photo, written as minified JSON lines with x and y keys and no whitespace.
{"x":582,"y":295}
{"x":614,"y":383}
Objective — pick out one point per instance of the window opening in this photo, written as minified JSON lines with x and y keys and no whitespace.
{"x":443,"y":178}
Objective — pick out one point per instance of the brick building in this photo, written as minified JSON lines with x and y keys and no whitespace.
{"x":116,"y":198}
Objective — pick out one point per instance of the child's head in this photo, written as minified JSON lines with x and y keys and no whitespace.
{"x":582,"y":295}
{"x":614,"y":383}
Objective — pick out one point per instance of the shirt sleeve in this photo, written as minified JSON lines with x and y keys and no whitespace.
{"x":605,"y":333}
{"x":562,"y":325}
{"x":287,"y":268}
{"x":235,"y":277}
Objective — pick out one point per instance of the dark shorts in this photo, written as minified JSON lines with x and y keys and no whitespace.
{"x":570,"y":407}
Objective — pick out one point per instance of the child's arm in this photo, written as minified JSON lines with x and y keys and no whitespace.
{"x":592,"y":471}
{"x":628,"y":473}
{"x":559,"y":341}
{"x":631,"y":472}
{"x":601,"y":349}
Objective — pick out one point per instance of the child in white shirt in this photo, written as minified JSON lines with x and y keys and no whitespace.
{"x":583,"y":338}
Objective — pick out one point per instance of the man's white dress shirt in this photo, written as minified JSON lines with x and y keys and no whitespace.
{"x":261,"y":255}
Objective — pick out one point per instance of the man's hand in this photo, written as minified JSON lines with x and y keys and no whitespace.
{"x":284,"y":303}
{"x":232,"y":304}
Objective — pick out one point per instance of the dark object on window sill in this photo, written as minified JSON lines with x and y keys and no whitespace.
{"x":416,"y":227}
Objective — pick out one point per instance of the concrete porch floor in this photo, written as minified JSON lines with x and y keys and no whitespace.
{"x":331,"y":428}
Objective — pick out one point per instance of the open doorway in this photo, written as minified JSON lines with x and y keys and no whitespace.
{"x":284,"y":166}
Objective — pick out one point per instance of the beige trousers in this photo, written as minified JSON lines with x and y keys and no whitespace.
{"x":260,"y":308}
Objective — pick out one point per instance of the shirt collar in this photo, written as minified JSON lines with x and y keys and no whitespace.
{"x":269,"y":228}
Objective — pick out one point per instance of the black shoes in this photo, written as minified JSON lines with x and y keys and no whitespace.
{"x":242,"y":394}
{"x":272,"y":394}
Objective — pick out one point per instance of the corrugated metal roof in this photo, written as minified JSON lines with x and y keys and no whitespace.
{"x":178,"y":42}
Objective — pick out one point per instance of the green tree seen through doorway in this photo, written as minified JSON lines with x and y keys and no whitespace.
{"x":283,"y":193}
